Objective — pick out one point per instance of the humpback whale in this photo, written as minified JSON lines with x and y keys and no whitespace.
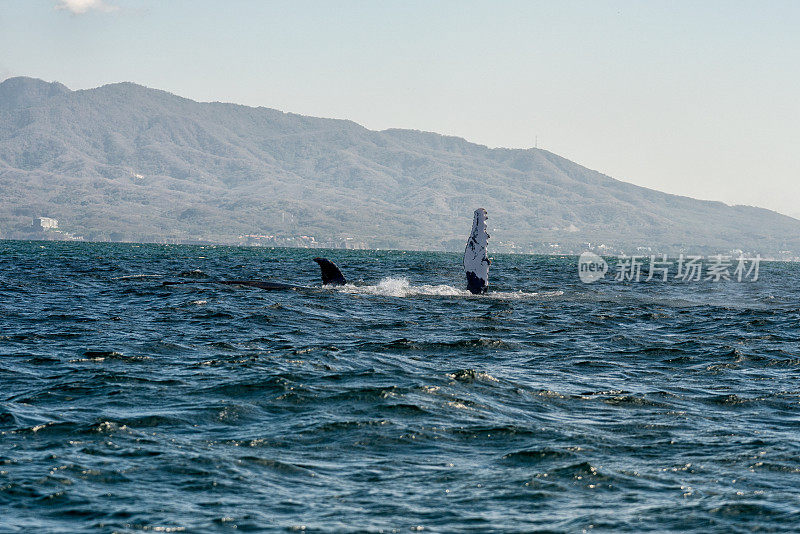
{"x":476,"y":265}
{"x":331,"y":276}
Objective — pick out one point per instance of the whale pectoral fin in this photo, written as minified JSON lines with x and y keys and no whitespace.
{"x":331,"y":275}
{"x":476,"y":261}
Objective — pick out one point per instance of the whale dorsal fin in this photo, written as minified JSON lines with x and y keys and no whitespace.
{"x":331,"y":275}
{"x":476,"y":262}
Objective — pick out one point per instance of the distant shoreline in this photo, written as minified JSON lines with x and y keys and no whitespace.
{"x":765,"y":258}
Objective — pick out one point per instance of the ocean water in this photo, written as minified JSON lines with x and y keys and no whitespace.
{"x":398,"y":403}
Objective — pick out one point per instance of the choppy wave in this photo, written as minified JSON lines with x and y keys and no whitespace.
{"x":403,"y":405}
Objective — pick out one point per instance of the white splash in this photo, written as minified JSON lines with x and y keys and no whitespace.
{"x":401,"y":287}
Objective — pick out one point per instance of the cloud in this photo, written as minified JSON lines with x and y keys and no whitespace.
{"x":77,"y":7}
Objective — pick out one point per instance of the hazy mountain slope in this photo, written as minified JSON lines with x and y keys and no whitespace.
{"x":127,"y":162}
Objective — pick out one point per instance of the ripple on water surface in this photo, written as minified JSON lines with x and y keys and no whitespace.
{"x":398,"y":402}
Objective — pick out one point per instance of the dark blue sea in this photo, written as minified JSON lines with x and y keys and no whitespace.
{"x":398,"y":403}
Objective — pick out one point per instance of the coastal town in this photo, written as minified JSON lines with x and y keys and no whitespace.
{"x":48,"y":229}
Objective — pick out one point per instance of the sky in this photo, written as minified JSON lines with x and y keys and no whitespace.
{"x":694,"y":98}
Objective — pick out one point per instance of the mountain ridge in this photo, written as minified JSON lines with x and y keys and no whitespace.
{"x":126,"y":162}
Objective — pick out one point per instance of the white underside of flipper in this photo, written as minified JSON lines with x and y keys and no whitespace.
{"x":476,"y":261}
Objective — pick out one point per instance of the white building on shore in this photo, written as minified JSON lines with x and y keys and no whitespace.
{"x":46,"y":223}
